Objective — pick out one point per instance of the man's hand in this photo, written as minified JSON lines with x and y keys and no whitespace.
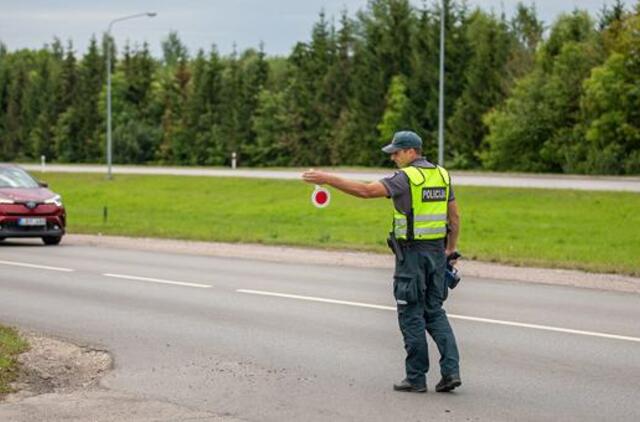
{"x":452,"y":259}
{"x":315,"y":177}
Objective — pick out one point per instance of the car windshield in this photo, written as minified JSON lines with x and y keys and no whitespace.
{"x":13,"y":177}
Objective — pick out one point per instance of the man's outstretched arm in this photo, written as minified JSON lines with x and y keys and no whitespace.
{"x":352,"y":187}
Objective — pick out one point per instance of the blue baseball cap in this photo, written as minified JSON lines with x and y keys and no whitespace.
{"x":405,"y":139}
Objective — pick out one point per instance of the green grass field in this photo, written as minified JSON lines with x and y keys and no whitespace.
{"x":11,"y":345}
{"x":550,"y":228}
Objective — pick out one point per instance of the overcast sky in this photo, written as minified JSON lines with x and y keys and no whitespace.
{"x":199,"y":23}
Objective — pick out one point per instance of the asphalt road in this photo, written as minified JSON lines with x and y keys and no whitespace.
{"x":544,"y":181}
{"x":265,"y":341}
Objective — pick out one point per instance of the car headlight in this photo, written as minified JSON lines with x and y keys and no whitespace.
{"x":7,"y":201}
{"x":56,"y":200}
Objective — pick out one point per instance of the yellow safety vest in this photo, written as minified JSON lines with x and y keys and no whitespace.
{"x":429,"y":201}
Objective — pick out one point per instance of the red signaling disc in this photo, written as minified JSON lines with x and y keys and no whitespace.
{"x":320,"y":197}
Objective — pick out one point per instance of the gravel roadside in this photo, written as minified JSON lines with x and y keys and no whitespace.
{"x":60,"y":381}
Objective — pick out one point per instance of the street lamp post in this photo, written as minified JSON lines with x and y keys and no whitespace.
{"x":441,"y":96}
{"x":108,"y":46}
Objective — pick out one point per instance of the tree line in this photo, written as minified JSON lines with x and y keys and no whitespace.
{"x":520,"y":96}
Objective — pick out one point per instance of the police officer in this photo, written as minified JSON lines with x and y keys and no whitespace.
{"x":425,"y":220}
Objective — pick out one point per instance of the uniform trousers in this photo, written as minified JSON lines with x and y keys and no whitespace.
{"x":420,"y":291}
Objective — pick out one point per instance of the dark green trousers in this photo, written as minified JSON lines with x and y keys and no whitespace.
{"x":420,"y":290}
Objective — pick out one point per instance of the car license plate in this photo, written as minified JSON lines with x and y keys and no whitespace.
{"x":32,"y":221}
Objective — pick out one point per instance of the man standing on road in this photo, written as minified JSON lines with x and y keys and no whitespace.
{"x":425,"y":220}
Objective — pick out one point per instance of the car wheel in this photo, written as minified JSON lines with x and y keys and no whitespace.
{"x":51,"y":240}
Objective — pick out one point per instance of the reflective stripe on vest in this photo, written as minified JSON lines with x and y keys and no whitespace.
{"x":429,"y":202}
{"x":402,"y":221}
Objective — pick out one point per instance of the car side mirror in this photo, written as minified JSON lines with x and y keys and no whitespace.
{"x":43,"y":184}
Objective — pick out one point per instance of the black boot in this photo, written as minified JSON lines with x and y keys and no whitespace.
{"x":405,"y":385}
{"x":448,"y":383}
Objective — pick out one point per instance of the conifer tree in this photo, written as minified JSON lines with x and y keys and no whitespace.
{"x":270,"y":125}
{"x":256,"y":73}
{"x":397,"y":112}
{"x":338,"y":83}
{"x":173,"y":50}
{"x":230,"y":103}
{"x":91,"y":76}
{"x":66,"y":129}
{"x":14,"y":124}
{"x":170,"y":99}
{"x":43,"y":94}
{"x":484,"y":87}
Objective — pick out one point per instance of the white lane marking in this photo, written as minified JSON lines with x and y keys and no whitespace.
{"x":157,"y":280}
{"x":39,"y":267}
{"x":462,"y":317}
{"x":316,"y":299}
{"x":547,"y":328}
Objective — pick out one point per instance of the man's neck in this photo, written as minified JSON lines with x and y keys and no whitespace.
{"x":417,"y":158}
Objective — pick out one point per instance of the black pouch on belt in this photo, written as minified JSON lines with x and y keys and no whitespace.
{"x":395,"y":247}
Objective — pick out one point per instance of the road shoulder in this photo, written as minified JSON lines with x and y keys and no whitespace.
{"x":60,"y":381}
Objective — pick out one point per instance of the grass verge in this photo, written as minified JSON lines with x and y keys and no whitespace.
{"x":592,"y":231}
{"x":11,"y":345}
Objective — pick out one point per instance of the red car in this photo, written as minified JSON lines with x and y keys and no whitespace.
{"x":28,"y":208}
